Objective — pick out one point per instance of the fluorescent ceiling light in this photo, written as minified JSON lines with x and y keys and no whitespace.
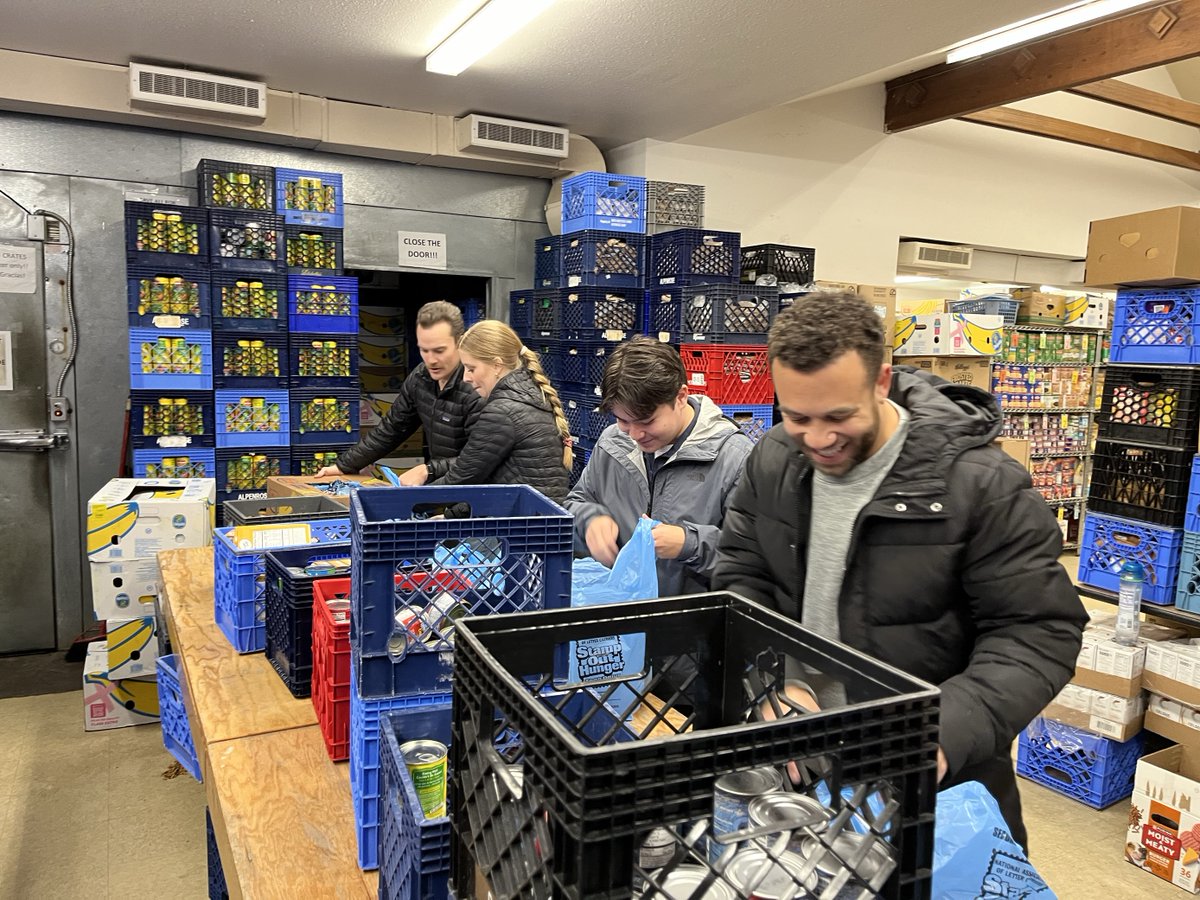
{"x":490,"y":27}
{"x":1039,"y":26}
{"x":914,"y":279}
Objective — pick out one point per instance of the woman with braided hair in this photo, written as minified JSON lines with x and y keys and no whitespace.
{"x":521,"y":436}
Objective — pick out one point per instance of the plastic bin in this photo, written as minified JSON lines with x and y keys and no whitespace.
{"x":1156,"y":327}
{"x":712,"y":313}
{"x":590,"y":314}
{"x":235,"y":185}
{"x":253,"y":418}
{"x":670,"y":204}
{"x":592,"y":790}
{"x":602,"y":259}
{"x":1159,"y":405}
{"x":239,"y":577}
{"x":288,"y":605}
{"x":246,"y":241}
{"x":512,"y":553}
{"x":1187,"y":590}
{"x":582,"y":453}
{"x":473,"y":309}
{"x":324,"y":415}
{"x":331,"y":686}
{"x":728,"y":374}
{"x":312,"y":250}
{"x":1140,"y":481}
{"x":754,"y":420}
{"x":694,"y":256}
{"x":217,"y":889}
{"x":176,"y":731}
{"x":1191,"y":521}
{"x":1108,"y":542}
{"x":584,"y":417}
{"x":323,"y":304}
{"x":789,"y":265}
{"x":185,"y":463}
{"x":275,"y":510}
{"x":604,"y":201}
{"x":308,"y":459}
{"x":250,"y":359}
{"x":547,"y":263}
{"x":1005,"y":307}
{"x":170,"y":359}
{"x":520,"y":312}
{"x":174,"y":237}
{"x":244,"y":471}
{"x":174,"y":420}
{"x":581,"y":364}
{"x":1094,"y":770}
{"x":249,"y":301}
{"x":165,"y":299}
{"x":323,"y":360}
{"x":310,"y":198}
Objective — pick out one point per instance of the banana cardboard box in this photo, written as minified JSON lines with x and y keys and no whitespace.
{"x":134,"y":518}
{"x":1086,"y":311}
{"x":132,"y":647}
{"x":373,"y":408}
{"x":125,"y":588}
{"x":1163,"y":834}
{"x":112,"y":703}
{"x":949,"y":334}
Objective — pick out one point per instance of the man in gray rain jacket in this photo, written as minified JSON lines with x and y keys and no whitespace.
{"x":670,"y":456}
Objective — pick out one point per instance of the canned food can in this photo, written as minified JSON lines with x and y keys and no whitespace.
{"x":787,"y":812}
{"x":657,"y":849}
{"x":683,"y":883}
{"x":426,"y":763}
{"x":339,"y":610}
{"x":732,"y":794}
{"x":847,"y":846}
{"x":761,"y":877}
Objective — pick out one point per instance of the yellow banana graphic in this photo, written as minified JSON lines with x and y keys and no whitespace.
{"x":904,"y":330}
{"x":981,"y":340}
{"x":108,"y":525}
{"x":1076,"y":307}
{"x":140,"y":697}
{"x":382,"y":381}
{"x":129,"y":648}
{"x":380,"y":406}
{"x":382,"y":355}
{"x":379,"y":324}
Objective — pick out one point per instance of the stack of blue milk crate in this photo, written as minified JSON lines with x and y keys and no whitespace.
{"x":413,"y":574}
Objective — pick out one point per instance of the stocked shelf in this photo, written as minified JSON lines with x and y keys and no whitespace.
{"x":1065,"y":454}
{"x":1170,"y":613}
{"x":1055,"y":329}
{"x":1065,"y":501}
{"x":1046,"y":411}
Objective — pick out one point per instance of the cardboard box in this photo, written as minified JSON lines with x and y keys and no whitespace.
{"x":126,"y":588}
{"x":1164,"y":819}
{"x":1116,"y":669}
{"x":1156,"y":248}
{"x":302,"y":486}
{"x":110,"y":703}
{"x":948,"y":334}
{"x":132,"y":647}
{"x":1086,"y":311}
{"x":1020,"y":450}
{"x":975,"y":371}
{"x":134,"y":518}
{"x":373,"y":408}
{"x":1038,"y":308}
{"x":836,"y":287}
{"x":883,"y":298}
{"x":1109,"y":728}
{"x":920,"y":307}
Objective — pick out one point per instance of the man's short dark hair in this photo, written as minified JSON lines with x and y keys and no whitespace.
{"x":441,"y":311}
{"x":820,"y":327}
{"x":641,"y":375}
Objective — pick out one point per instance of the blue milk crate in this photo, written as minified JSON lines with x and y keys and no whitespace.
{"x":584,"y":417}
{"x":1187,"y":590}
{"x":312,"y":250}
{"x":253,"y":418}
{"x":325,"y":415}
{"x":172,"y":419}
{"x":250,"y":359}
{"x":310,"y":198}
{"x":603,"y":259}
{"x":473,"y":310}
{"x":520,"y":312}
{"x":547,"y":352}
{"x":217,"y":888}
{"x":246,"y":241}
{"x":239,"y":580}
{"x":694,"y":256}
{"x":235,"y":185}
{"x":183,"y":463}
{"x":1192,"y":521}
{"x":713,"y":313}
{"x":176,"y":730}
{"x":512,"y":554}
{"x":592,"y":314}
{"x":1094,"y":770}
{"x":323,"y":303}
{"x":364,"y":760}
{"x":169,"y":236}
{"x":581,"y":365}
{"x":582,"y":453}
{"x":754,"y":420}
{"x":414,"y":852}
{"x":604,"y":201}
{"x":322,"y":360}
{"x":546,"y":317}
{"x":1156,"y":326}
{"x":1108,"y":542}
{"x":547,"y":262}
{"x":249,"y":301}
{"x":170,"y":359}
{"x":159,"y":298}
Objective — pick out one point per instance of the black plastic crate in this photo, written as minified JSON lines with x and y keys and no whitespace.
{"x":308,"y":459}
{"x":694,"y":673}
{"x":322,"y":360}
{"x":581,"y":364}
{"x":250,"y":359}
{"x":164,"y":299}
{"x":545,"y":316}
{"x":249,"y":301}
{"x":313,"y":250}
{"x":235,"y":185}
{"x":694,"y":256}
{"x":324,"y":415}
{"x":712,"y":313}
{"x":1141,"y":481}
{"x":217,"y":889}
{"x":602,"y":259}
{"x":547,"y":262}
{"x":172,"y":419}
{"x":520,"y":312}
{"x":789,"y":265}
{"x":244,"y":471}
{"x":276,"y":510}
{"x":1151,"y":405}
{"x":246,"y":241}
{"x":288,"y":607}
{"x":166,"y":235}
{"x":591,"y":314}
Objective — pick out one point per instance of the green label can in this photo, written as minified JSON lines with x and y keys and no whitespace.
{"x":426,"y":762}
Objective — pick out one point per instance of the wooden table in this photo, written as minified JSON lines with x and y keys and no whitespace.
{"x":281,"y":810}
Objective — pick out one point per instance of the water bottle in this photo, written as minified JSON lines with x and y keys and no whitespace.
{"x":1129,"y":602}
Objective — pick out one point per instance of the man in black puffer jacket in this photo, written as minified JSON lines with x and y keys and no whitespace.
{"x":880,"y":514}
{"x":434,"y":396}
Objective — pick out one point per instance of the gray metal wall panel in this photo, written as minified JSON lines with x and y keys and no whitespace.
{"x":474,"y":246}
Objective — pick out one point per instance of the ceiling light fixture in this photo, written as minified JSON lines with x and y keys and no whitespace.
{"x":1039,"y":26}
{"x":490,"y":27}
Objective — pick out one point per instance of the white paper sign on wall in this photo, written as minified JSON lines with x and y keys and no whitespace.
{"x":422,"y":250}
{"x":18,"y":268}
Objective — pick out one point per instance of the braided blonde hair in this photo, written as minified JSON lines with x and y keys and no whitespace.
{"x":492,"y":339}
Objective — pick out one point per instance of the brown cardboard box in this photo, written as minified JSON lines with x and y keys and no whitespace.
{"x":1164,"y":813}
{"x":1160,"y":247}
{"x":1019,"y":449}
{"x":1110,"y":684}
{"x":1117,"y":731}
{"x":836,"y":287}
{"x":1157,"y":683}
{"x":302,"y":486}
{"x":883,"y":298}
{"x":1038,"y":308}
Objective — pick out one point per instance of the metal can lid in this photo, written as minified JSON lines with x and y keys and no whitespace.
{"x":786,"y":811}
{"x":684,"y":880}
{"x":750,"y":783}
{"x":846,"y":845}
{"x":784,"y":878}
{"x":426,"y":751}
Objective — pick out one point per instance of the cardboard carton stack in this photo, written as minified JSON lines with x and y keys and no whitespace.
{"x":128,"y":521}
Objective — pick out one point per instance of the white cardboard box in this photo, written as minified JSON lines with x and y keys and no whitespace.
{"x":109,"y":703}
{"x":132,"y":647}
{"x":134,"y":518}
{"x":125,"y":588}
{"x":1164,"y":821}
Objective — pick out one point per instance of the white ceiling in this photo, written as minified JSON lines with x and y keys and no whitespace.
{"x":614,"y":70}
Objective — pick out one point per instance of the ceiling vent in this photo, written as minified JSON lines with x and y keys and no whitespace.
{"x":509,"y":136}
{"x":182,"y":89}
{"x":920,"y":255}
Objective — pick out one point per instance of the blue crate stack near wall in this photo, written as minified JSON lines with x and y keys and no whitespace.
{"x":593,"y":258}
{"x":176,"y":729}
{"x":242,"y":473}
{"x":165,"y":235}
{"x":235,"y":185}
{"x":754,"y":420}
{"x":197,"y":462}
{"x":249,"y":301}
{"x":176,"y":420}
{"x":161,"y":298}
{"x":250,"y":359}
{"x":520,"y":312}
{"x":604,"y":201}
{"x":693,"y":256}
{"x":323,"y":304}
{"x":1108,"y":542}
{"x":246,"y":241}
{"x":171,"y":359}
{"x":609,"y":314}
{"x":1094,"y":770}
{"x":547,"y":262}
{"x":712,"y":313}
{"x":310,"y":198}
{"x":253,"y":418}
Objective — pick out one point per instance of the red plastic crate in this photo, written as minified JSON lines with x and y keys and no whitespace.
{"x":331,"y":666}
{"x":729,"y":373}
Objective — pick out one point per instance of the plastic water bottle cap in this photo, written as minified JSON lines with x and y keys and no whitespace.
{"x":1133,"y":569}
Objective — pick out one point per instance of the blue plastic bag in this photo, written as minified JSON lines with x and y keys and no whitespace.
{"x":974,"y":858}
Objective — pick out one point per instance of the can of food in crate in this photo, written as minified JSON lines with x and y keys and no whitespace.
{"x":685,"y":881}
{"x":339,"y":610}
{"x":779,"y":876}
{"x":847,"y":846}
{"x":410,"y":627}
{"x":787,"y":812}
{"x":732,"y":794}
{"x":426,"y":763}
{"x":657,"y":849}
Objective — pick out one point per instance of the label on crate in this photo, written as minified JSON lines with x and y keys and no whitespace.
{"x":422,"y":249}
{"x":168,"y":322}
{"x":613,"y":334}
{"x":174,"y":441}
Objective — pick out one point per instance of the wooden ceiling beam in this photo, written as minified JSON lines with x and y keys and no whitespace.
{"x":1130,"y":96}
{"x":1139,"y":40}
{"x":1084,"y":135}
